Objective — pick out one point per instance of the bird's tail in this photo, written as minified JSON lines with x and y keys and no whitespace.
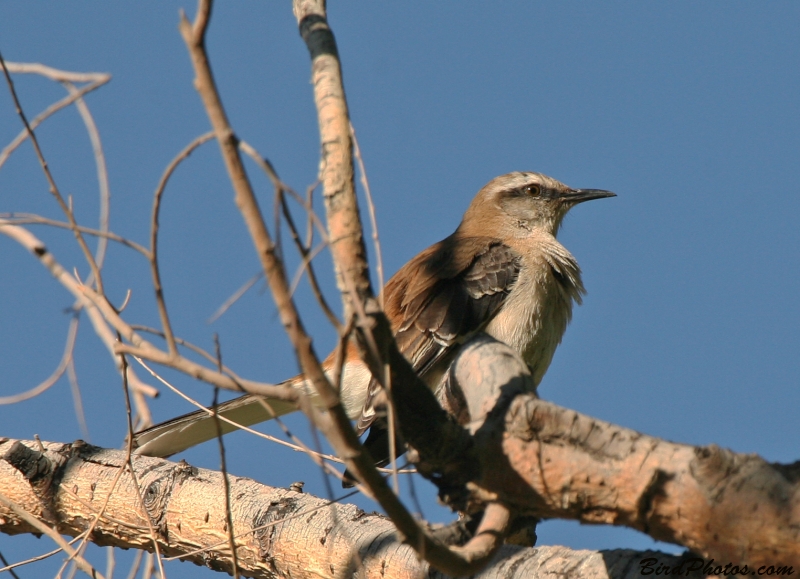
{"x":191,"y":429}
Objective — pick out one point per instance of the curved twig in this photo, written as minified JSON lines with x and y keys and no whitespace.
{"x":101,"y":313}
{"x":415,"y":403}
{"x":160,"y":303}
{"x":102,"y":171}
{"x":49,"y":111}
{"x":57,"y":373}
{"x":51,"y":182}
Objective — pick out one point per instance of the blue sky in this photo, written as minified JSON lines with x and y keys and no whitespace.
{"x":689,"y":111}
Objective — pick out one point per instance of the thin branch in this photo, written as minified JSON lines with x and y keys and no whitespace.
{"x":96,"y":80}
{"x":311,"y":214}
{"x":33,"y":219}
{"x":137,"y":561}
{"x":373,"y":219}
{"x":82,"y":563}
{"x":56,"y":74}
{"x":194,"y":37}
{"x":223,"y":467}
{"x":336,"y":163}
{"x":37,"y":557}
{"x":419,"y":411}
{"x":69,"y":347}
{"x":307,"y":254}
{"x":335,"y":423}
{"x":349,"y":257}
{"x":304,"y":250}
{"x":51,"y":182}
{"x":101,"y":312}
{"x":298,"y":446}
{"x":190,"y":346}
{"x":154,"y":270}
{"x":77,"y":401}
{"x":129,"y":463}
{"x":39,"y":250}
{"x":110,"y":562}
{"x":281,"y":187}
{"x":234,"y":298}
{"x":102,"y":171}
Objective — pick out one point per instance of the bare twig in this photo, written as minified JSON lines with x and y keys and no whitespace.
{"x":36,"y":558}
{"x":8,"y":567}
{"x":82,"y":563}
{"x":38,"y":249}
{"x":95,"y":80}
{"x":56,"y":74}
{"x":102,"y":172}
{"x":110,"y":562}
{"x":311,"y":214}
{"x":281,"y":187}
{"x":51,"y":182}
{"x":100,"y":513}
{"x":336,"y":164}
{"x":419,"y":410}
{"x":234,"y":298}
{"x":77,"y":400}
{"x":307,"y":254}
{"x":57,"y":373}
{"x":137,"y":561}
{"x":194,"y":37}
{"x":100,"y":312}
{"x":190,"y":346}
{"x":373,"y":220}
{"x":226,"y":483}
{"x":305,"y":250}
{"x":161,"y":304}
{"x":31,"y":218}
{"x":129,"y":463}
{"x":298,"y":446}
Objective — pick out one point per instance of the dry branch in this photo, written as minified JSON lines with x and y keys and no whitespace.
{"x":103,"y":315}
{"x":334,"y":422}
{"x":280,"y":532}
{"x":545,"y":461}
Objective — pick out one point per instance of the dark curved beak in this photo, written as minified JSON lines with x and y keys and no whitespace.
{"x":581,"y":195}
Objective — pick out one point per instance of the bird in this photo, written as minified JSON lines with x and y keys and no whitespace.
{"x":502,"y":272}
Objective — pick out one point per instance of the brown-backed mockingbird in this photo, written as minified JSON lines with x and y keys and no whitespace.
{"x":502,"y":272}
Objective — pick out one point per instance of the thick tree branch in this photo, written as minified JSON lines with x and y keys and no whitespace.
{"x":336,"y":166}
{"x":424,"y":425}
{"x":335,"y":424}
{"x":545,"y":461}
{"x":280,"y":532}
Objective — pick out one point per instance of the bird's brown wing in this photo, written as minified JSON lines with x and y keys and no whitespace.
{"x":442,"y":297}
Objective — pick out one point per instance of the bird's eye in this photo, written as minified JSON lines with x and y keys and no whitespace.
{"x":533,"y":190}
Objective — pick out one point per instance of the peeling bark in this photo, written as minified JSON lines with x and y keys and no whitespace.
{"x":551,"y":462}
{"x":307,"y":538}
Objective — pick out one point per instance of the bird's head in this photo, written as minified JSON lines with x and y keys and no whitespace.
{"x":518,"y":203}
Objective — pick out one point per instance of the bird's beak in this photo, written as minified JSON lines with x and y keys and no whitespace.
{"x":580,"y":195}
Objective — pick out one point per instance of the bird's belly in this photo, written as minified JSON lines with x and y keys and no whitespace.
{"x":533,"y":325}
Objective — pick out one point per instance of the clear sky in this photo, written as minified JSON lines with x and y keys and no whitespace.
{"x":689,"y":111}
